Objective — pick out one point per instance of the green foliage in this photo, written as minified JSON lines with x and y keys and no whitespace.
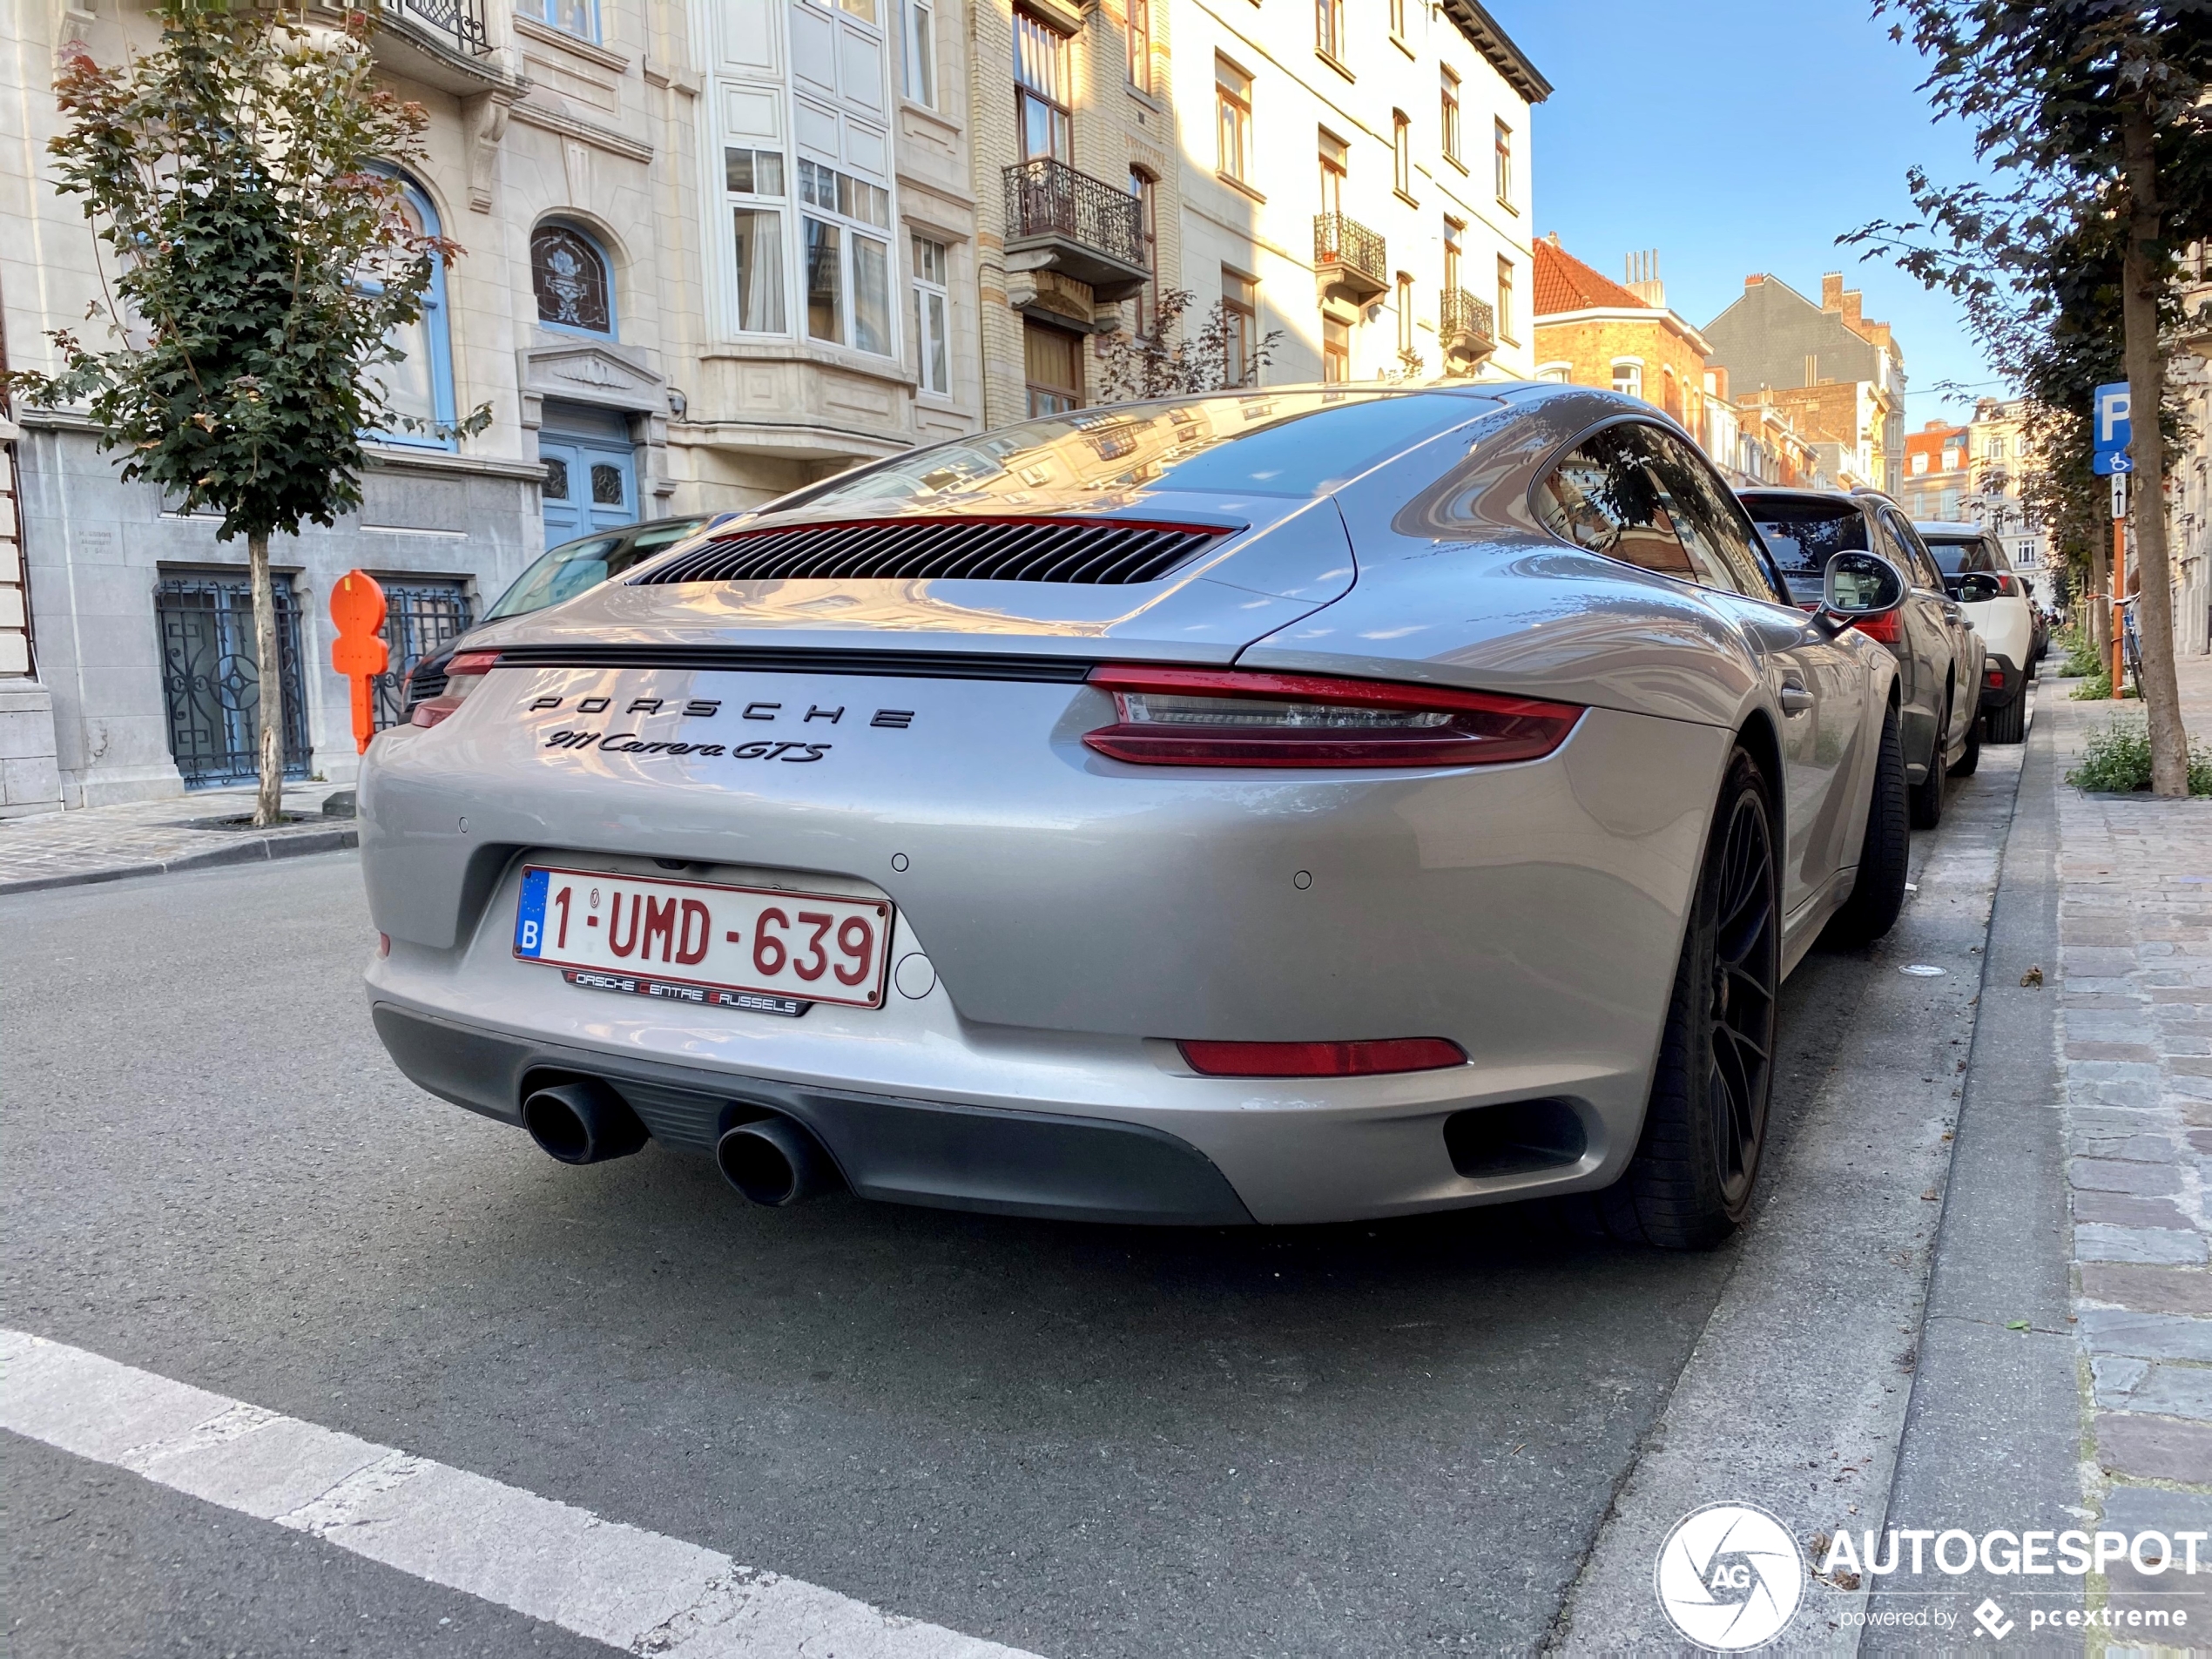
{"x":2097,"y":688}
{"x":2117,"y":759}
{"x":2082,"y":656}
{"x":262,"y":259}
{"x":2035,"y":260}
{"x":1165,"y":363}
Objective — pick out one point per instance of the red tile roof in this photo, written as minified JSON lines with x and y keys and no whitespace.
{"x":1564,"y":283}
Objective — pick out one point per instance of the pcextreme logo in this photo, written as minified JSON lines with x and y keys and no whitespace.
{"x":1729,"y":1577}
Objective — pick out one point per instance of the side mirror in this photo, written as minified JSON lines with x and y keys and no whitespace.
{"x":1857,"y":587}
{"x":1977,"y":587}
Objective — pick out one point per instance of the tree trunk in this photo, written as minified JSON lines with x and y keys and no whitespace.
{"x":268,"y":806}
{"x":2142,"y":288}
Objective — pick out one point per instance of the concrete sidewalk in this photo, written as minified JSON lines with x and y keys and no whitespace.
{"x":2134,"y":988}
{"x":146,"y":838}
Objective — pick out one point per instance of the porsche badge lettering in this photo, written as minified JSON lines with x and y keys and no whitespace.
{"x":576,"y":740}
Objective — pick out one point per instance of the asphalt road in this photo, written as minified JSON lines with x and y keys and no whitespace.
{"x":1395,"y":1437}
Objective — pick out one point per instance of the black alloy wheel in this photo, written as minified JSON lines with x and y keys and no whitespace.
{"x":1690,"y":1184}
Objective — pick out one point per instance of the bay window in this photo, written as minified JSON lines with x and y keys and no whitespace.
{"x":847,"y":270}
{"x":752,"y":177}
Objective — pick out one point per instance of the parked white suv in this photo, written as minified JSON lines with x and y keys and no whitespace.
{"x":1996,"y":601}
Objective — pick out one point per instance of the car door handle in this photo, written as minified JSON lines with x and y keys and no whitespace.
{"x":1793,"y":696}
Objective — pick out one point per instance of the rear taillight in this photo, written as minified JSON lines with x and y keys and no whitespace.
{"x":1993,"y":677}
{"x":1367,"y":1059}
{"x":1204,"y":717}
{"x":1885,"y":628}
{"x":463,"y":674}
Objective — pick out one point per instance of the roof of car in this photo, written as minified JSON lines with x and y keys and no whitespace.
{"x":1947,"y":526}
{"x":1847,"y":497}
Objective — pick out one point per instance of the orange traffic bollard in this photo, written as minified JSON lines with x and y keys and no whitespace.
{"x":358,"y":652}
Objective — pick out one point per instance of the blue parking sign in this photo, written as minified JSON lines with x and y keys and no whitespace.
{"x":2109,"y":429}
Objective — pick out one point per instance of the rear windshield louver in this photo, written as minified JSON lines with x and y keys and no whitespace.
{"x":1093,"y":552}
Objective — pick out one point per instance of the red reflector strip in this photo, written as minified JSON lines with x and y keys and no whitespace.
{"x":1992,"y":676}
{"x":1365,"y":1059}
{"x":472,"y":662}
{"x":1885,"y":628}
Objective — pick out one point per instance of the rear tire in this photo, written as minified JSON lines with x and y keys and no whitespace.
{"x":1927,"y":795}
{"x":1884,"y":857}
{"x":2009,"y":724}
{"x":1970,"y":757}
{"x":1690,"y":1182}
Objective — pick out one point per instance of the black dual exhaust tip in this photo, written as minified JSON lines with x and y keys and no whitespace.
{"x":772,"y":1160}
{"x":582,"y":1121}
{"x":775,"y":1162}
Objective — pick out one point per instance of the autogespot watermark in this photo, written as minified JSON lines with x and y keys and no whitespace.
{"x":1729,"y":1577}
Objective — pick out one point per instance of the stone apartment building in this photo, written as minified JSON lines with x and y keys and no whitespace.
{"x":712,"y":251}
{"x":717,"y":250}
{"x":1838,"y":376}
{"x":1356,"y":174}
{"x":1937,"y":479}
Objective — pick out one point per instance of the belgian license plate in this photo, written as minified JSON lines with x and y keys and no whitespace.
{"x":764,"y":949}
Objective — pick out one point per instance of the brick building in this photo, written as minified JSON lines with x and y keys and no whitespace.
{"x":1837,"y":376}
{"x":1936,"y":478}
{"x":1593,"y":331}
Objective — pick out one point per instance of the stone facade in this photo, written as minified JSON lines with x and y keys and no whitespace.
{"x":604,"y":143}
{"x":1441,"y":212}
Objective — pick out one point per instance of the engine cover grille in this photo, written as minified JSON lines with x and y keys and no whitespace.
{"x":1092,"y":551}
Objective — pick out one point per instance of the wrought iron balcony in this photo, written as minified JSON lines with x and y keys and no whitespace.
{"x":458,"y":24}
{"x":1466,"y":326}
{"x":446,"y":43}
{"x":1079,"y":225}
{"x":1349,"y":258}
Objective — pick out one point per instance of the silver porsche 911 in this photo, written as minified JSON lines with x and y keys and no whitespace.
{"x":1283,"y":806}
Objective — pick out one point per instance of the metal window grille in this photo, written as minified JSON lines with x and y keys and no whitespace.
{"x":420,"y":619}
{"x":211,"y":684}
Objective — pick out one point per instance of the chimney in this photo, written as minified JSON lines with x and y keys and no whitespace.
{"x":1831,"y":291}
{"x":1853,"y":300}
{"x":1643,"y":278}
{"x":1552,"y":239}
{"x":1755,"y":281}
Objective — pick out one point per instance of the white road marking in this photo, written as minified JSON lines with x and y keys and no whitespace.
{"x":618,"y":1584}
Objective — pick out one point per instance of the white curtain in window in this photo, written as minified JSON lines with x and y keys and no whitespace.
{"x":761,"y":271}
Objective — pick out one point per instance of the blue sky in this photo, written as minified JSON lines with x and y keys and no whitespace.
{"x":1736,"y":136}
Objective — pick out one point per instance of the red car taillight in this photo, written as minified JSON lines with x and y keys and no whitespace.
{"x":1209,"y":717}
{"x":463,"y":674}
{"x":1367,"y":1059}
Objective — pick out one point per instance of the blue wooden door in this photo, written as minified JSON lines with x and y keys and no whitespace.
{"x":589,"y":485}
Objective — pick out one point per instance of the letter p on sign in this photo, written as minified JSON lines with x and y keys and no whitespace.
{"x":358,"y":652}
{"x":2112,"y":416}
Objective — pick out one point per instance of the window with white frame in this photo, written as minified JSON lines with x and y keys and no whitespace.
{"x":577,"y":17}
{"x":932,"y":307}
{"x":1140,"y":44}
{"x":1627,"y":377}
{"x":1404,"y":315}
{"x":1448,"y":116}
{"x":1401,"y":153}
{"x":921,"y":52}
{"x":1232,"y":97}
{"x":754,"y":182}
{"x":1507,"y":314}
{"x":1502,"y":161}
{"x":848,"y":271}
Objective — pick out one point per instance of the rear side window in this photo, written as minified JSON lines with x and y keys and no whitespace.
{"x":1912,"y":551}
{"x":1623,"y":493}
{"x":1955,"y":557}
{"x":1804,"y":535}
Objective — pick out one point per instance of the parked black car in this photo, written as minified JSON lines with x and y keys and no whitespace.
{"x":1940,"y":656}
{"x":562,"y":573}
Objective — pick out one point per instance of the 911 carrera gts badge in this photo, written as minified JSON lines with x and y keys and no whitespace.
{"x":629,"y":743}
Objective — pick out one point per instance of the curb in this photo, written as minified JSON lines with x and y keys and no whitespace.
{"x":247,"y":850}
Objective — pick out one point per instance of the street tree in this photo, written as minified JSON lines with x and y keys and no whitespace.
{"x":2093,"y":115}
{"x":259,"y":267}
{"x":1166,"y":362}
